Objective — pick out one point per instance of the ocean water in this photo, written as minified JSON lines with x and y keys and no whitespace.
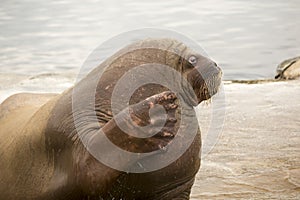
{"x":246,"y":38}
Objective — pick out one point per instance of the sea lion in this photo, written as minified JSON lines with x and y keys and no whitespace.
{"x":289,"y":69}
{"x":41,"y":145}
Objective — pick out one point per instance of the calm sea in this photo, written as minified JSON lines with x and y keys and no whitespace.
{"x":246,"y":38}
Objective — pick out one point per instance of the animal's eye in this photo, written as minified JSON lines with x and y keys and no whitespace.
{"x":193,"y":60}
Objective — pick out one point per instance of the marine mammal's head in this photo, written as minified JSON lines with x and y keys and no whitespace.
{"x":288,"y":69}
{"x":201,"y":74}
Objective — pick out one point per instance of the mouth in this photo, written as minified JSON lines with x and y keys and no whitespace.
{"x":212,"y":86}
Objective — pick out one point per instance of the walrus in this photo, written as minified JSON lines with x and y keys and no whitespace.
{"x":43,"y":157}
{"x":288,"y":69}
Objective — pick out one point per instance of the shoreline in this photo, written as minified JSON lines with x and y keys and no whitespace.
{"x":257,"y":153}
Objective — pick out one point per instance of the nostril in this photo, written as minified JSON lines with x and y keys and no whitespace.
{"x":214,"y":65}
{"x":217,"y":68}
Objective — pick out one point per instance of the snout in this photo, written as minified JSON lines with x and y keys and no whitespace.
{"x":206,"y":80}
{"x":209,"y":70}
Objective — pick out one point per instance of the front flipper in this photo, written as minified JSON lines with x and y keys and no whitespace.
{"x":94,"y":177}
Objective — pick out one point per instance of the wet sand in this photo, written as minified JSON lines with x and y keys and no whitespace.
{"x":258,"y":154}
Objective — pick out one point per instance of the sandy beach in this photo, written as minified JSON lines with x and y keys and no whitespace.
{"x":257,"y":153}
